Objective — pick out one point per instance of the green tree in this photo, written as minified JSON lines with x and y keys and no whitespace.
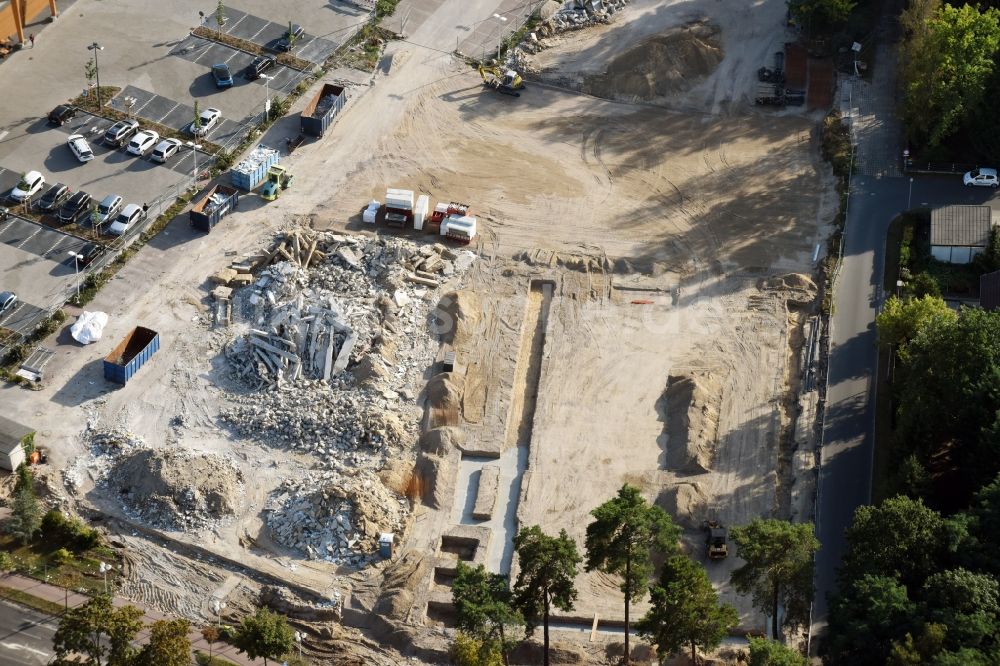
{"x":945,"y":67}
{"x":197,"y":119}
{"x":483,"y":608}
{"x":967,"y":603}
{"x":90,"y":71}
{"x":620,"y":541}
{"x":949,"y":398}
{"x":100,"y":632}
{"x":685,"y":611}
{"x":25,"y":511}
{"x":547,"y":569}
{"x":470,"y":651}
{"x":220,"y":16}
{"x":899,"y":538}
{"x":820,"y":16}
{"x":901,"y":320}
{"x":764,"y":652}
{"x":168,"y":645}
{"x":778,"y":568}
{"x":867,"y":615}
{"x":264,"y":635}
{"x":920,"y":650}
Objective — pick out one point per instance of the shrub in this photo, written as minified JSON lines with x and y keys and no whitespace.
{"x":62,"y":556}
{"x":68,"y":532}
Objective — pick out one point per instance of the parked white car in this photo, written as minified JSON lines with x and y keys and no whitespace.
{"x":78,"y":144}
{"x":29,"y":186}
{"x":129,"y":217}
{"x":165,"y":150}
{"x":981,"y":178}
{"x":207,"y":119}
{"x":143,"y":142}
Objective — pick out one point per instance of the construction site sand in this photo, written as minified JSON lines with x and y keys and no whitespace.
{"x":701,"y":203}
{"x":674,"y":33}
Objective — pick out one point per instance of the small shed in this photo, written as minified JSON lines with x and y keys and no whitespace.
{"x":959,"y":233}
{"x":13,"y":438}
{"x":989,"y":291}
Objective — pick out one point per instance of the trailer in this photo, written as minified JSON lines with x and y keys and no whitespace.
{"x":131,"y":354}
{"x":319,"y":113}
{"x":213,"y":206}
{"x":253,"y":168}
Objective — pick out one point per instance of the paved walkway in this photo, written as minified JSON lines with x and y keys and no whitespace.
{"x":60,"y":595}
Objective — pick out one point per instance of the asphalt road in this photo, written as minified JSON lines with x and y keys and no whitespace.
{"x":25,"y":636}
{"x":848,"y":443}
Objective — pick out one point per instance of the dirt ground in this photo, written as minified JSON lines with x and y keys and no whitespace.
{"x":654,"y":230}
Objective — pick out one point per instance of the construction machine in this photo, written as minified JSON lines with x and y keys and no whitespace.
{"x":278,"y":179}
{"x":507,"y":82}
{"x":716,"y":540}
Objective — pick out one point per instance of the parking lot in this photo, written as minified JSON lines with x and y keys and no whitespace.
{"x":265,"y":33}
{"x":38,"y":268}
{"x":150,"y":55}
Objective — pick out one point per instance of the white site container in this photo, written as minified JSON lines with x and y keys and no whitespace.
{"x":399,"y":199}
{"x":459,"y":227}
{"x":420,"y":211}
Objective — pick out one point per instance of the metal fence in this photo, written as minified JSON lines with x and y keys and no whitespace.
{"x":490,"y":33}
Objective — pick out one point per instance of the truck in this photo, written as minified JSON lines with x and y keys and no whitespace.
{"x":131,"y":354}
{"x":715,"y":540}
{"x":253,"y":169}
{"x":319,"y":113}
{"x":213,"y":206}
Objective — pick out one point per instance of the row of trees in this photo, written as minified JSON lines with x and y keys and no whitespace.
{"x":919,"y":582}
{"x":625,"y":538}
{"x":949,"y":75}
{"x":99,"y":633}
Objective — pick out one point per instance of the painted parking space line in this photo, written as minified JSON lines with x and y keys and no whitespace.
{"x":233,"y":26}
{"x":163,"y":117}
{"x":27,"y":238}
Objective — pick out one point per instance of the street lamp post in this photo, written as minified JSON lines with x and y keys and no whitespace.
{"x":95,"y":47}
{"x":500,"y":21}
{"x":298,"y":641}
{"x":105,"y":568}
{"x":267,"y":97}
{"x":76,"y":263}
{"x":194,"y":150}
{"x":218,"y":607}
{"x":909,"y":197}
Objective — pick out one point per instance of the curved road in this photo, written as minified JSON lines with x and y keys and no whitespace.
{"x":845,"y":478}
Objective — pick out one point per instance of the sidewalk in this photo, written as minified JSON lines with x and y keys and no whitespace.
{"x":59,"y":595}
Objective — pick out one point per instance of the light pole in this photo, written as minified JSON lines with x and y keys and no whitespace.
{"x":194,"y":150}
{"x":95,"y":47}
{"x":909,"y":197}
{"x":76,"y":263}
{"x":500,"y":21}
{"x":267,"y":96}
{"x":105,"y":568}
{"x":298,"y":641}
{"x":218,"y":607}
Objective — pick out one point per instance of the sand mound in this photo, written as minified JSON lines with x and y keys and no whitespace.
{"x":692,"y":421}
{"x":458,"y":314}
{"x":797,"y":287}
{"x":444,"y":397}
{"x":177,"y":488}
{"x":436,"y":480}
{"x":442,"y":441}
{"x":660,"y":66}
{"x":686,"y":503}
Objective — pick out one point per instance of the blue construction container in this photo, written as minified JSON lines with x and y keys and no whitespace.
{"x":131,"y":354}
{"x":249,"y":173}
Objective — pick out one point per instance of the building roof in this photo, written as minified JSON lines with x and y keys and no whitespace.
{"x":11,"y":434}
{"x":989,"y":291}
{"x":961,"y":226}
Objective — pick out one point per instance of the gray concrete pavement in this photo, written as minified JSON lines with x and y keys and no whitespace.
{"x":25,"y":636}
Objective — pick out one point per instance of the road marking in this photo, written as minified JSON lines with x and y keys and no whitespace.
{"x":169,"y":112}
{"x":230,"y":30}
{"x":16,"y":647}
{"x":28,"y":238}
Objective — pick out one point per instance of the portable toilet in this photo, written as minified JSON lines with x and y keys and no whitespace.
{"x":385,"y":545}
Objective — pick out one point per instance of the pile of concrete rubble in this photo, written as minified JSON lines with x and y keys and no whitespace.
{"x":107,"y":446}
{"x":560,"y":17}
{"x":334,"y":516}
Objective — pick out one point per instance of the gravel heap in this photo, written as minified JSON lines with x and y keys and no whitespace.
{"x":335,"y":516}
{"x":176,"y":488}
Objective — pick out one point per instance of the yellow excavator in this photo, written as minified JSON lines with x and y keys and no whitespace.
{"x":507,"y":82}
